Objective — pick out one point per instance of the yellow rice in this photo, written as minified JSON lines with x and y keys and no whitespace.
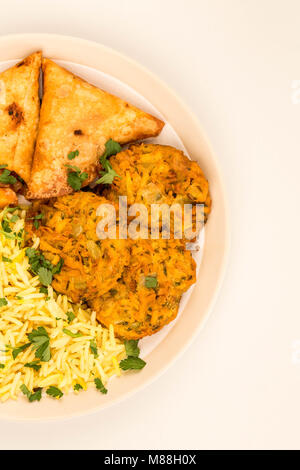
{"x":72,"y":360}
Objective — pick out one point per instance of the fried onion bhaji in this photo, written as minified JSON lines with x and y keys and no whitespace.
{"x":159,"y":174}
{"x":147,"y":296}
{"x":67,"y":230}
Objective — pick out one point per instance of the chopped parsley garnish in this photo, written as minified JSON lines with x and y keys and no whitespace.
{"x":13,"y":236}
{"x":70,"y":333}
{"x":43,"y":290}
{"x":100,"y":386}
{"x":70,"y":316}
{"x":93,"y":347}
{"x":35,"y":396}
{"x":132,"y":363}
{"x":17,"y":351}
{"x":73,"y":154}
{"x":131,"y":348}
{"x":10,"y":210}
{"x":111,"y":148}
{"x":77,"y":387}
{"x":76,"y":177}
{"x":7,"y":231}
{"x":42,"y":267}
{"x":151,"y":282}
{"x":33,"y":365}
{"x":54,"y":392}
{"x":7,"y":178}
{"x":5,"y":226}
{"x":36,"y":220}
{"x":40,"y":340}
{"x":57,"y":268}
{"x":2,"y":366}
{"x":6,"y":260}
{"x":108,"y":173}
{"x":3,"y":302}
{"x":36,"y":259}
{"x":45,"y":276}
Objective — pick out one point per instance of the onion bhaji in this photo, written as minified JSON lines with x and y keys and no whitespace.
{"x":159,"y":174}
{"x":147,"y":296}
{"x":67,"y":230}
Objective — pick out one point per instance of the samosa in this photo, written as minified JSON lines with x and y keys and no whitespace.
{"x":76,"y":121}
{"x":19,"y":115}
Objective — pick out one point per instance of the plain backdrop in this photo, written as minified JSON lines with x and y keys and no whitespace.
{"x":235,"y":63}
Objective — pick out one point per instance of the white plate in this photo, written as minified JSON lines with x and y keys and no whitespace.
{"x":119,"y":75}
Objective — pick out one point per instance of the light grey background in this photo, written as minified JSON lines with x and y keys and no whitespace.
{"x":233,"y":62}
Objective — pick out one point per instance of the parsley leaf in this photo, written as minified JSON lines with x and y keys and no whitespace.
{"x":3,"y":302}
{"x":73,"y":154}
{"x":36,"y":220}
{"x":132,"y":363}
{"x":44,"y":290}
{"x":33,"y":365}
{"x":45,"y":276}
{"x":17,"y":351}
{"x":131,"y":347}
{"x":108,"y":175}
{"x":100,"y":386}
{"x":36,"y":396}
{"x":7,"y":178}
{"x":25,"y":390}
{"x":57,"y":268}
{"x":41,"y":342}
{"x":70,"y":316}
{"x":76,"y":177}
{"x":2,"y":366}
{"x":151,"y":282}
{"x":70,"y":333}
{"x":42,"y":267}
{"x":93,"y":347}
{"x":5,"y":226}
{"x":111,"y":148}
{"x":6,"y":260}
{"x":37,"y":260}
{"x":54,"y":392}
{"x":77,"y":387}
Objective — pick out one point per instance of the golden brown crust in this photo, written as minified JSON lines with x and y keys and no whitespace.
{"x":19,"y":113}
{"x":159,"y":174}
{"x":78,"y":116}
{"x":136,"y":310}
{"x":7,"y":197}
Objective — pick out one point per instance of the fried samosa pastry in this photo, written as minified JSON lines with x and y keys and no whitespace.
{"x":80,"y":118}
{"x":7,"y":197}
{"x":19,"y":114}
